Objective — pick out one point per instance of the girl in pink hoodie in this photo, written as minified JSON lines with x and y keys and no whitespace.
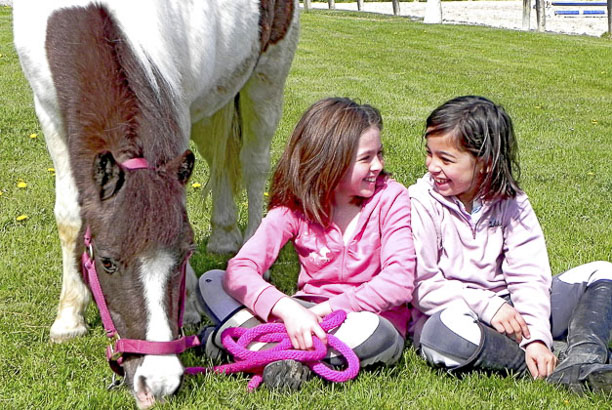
{"x":484,"y":292}
{"x":349,"y":223}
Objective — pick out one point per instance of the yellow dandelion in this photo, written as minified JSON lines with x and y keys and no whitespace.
{"x":196,"y":185}
{"x":51,"y":170}
{"x":266,"y":194}
{"x":22,"y":217}
{"x":21,"y":185}
{"x":590,"y":173}
{"x":33,"y":136}
{"x":593,"y":121}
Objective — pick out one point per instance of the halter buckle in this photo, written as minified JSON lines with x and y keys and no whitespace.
{"x":114,"y":355}
{"x":90,"y":251}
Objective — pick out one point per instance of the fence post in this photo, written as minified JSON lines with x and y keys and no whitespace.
{"x":396,"y":8}
{"x":526,"y":14}
{"x":433,"y":12}
{"x":332,"y":4}
{"x":359,"y":5}
{"x":610,"y":19}
{"x":307,"y":5}
{"x":541,"y":14}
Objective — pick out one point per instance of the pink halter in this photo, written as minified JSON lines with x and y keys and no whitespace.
{"x":119,"y":346}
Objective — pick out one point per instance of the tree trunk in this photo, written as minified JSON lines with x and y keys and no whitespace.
{"x":526,"y":14}
{"x":307,"y":5}
{"x":396,"y":8}
{"x":332,"y":4}
{"x":359,"y":5}
{"x":433,"y":12}
{"x":541,"y":15}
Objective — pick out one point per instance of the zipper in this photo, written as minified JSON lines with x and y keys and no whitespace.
{"x":455,"y":208}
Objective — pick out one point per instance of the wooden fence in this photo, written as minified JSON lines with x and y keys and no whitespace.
{"x":539,"y":6}
{"x":332,"y":5}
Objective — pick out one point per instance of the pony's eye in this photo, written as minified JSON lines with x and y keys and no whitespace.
{"x":109,"y":265}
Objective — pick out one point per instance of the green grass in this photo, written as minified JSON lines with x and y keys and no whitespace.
{"x":558,"y":89}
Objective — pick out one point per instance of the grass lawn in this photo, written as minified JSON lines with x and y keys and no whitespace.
{"x":558,"y":90}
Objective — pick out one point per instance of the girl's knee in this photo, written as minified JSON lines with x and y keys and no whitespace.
{"x":450,"y":337}
{"x":373,"y":339}
{"x":603,"y":271}
{"x":213,"y":298}
{"x":587,"y":273}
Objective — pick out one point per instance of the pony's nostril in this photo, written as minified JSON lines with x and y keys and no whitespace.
{"x":208,"y":280}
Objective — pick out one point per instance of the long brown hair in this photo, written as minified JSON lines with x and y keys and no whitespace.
{"x":319,"y":152}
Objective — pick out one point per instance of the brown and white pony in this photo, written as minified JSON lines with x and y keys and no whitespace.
{"x":115,"y":80}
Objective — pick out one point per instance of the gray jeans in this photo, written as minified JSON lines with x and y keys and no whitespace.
{"x":450,"y":337}
{"x":373,"y":338}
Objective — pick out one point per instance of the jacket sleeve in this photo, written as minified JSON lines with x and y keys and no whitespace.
{"x":434,"y":291}
{"x":394,"y":284}
{"x":527,"y":271}
{"x":244,"y":277}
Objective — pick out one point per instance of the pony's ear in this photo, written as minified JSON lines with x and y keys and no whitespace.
{"x":108,"y":175}
{"x":184,"y":166}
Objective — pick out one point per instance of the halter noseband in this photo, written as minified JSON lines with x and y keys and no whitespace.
{"x":119,"y":346}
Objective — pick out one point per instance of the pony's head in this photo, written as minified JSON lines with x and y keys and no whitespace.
{"x":140,"y":240}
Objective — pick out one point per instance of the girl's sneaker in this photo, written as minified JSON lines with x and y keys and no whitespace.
{"x":285,"y":375}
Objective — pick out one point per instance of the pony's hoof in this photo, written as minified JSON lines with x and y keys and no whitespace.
{"x":63,"y":330}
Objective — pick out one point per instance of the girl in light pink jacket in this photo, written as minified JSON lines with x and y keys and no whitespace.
{"x":484,"y":294}
{"x":349,"y":223}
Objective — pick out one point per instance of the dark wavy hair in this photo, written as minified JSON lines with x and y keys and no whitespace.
{"x":319,"y":152}
{"x":484,"y":129}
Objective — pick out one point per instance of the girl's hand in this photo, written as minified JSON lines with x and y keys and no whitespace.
{"x":540,"y":360}
{"x":321,"y":310}
{"x":300,"y":322}
{"x":510,"y":322}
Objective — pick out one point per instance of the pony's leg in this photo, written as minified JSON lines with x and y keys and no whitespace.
{"x":193,"y":313}
{"x":74,"y":297}
{"x":218,"y":142}
{"x":261,"y":103}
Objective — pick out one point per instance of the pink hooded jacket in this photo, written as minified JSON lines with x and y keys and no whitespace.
{"x":373,"y":272}
{"x":501,"y":253}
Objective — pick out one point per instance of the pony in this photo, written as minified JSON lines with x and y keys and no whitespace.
{"x":118,"y":81}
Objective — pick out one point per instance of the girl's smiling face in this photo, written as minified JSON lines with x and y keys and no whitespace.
{"x":455,"y":171}
{"x":359,"y":180}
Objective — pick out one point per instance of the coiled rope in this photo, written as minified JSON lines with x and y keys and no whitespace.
{"x":236,"y":340}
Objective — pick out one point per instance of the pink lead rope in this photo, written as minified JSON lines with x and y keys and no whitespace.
{"x":236,"y":340}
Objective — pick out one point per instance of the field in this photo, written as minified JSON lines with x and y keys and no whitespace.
{"x":557,"y":88}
